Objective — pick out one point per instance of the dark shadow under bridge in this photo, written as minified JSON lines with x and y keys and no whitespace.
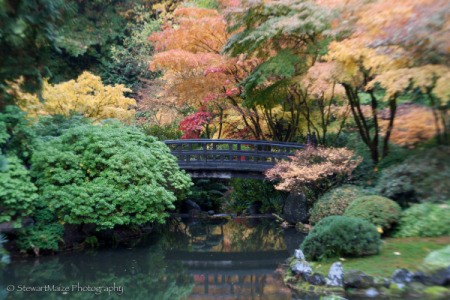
{"x":204,"y":158}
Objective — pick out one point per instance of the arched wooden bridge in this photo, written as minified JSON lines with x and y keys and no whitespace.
{"x":203,"y":158}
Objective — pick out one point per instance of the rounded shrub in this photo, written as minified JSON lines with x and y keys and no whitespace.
{"x":335,"y":202}
{"x":425,"y":220}
{"x":337,"y":236}
{"x":108,"y":175}
{"x":380,"y":211}
{"x":421,"y":178}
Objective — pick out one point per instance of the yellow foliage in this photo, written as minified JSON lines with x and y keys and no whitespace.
{"x":425,"y":78}
{"x":354,"y":56}
{"x":86,"y":95}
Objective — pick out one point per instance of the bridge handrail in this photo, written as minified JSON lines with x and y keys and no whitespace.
{"x":230,"y":141}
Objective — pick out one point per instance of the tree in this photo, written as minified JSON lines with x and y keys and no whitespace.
{"x":315,"y":168}
{"x":287,"y":37}
{"x":86,"y":96}
{"x":196,"y":74}
{"x":27,"y":33}
{"x":108,"y":175}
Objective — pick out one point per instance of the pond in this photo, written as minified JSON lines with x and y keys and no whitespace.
{"x":189,"y":259}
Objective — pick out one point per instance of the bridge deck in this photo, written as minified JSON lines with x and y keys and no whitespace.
{"x":229,"y":158}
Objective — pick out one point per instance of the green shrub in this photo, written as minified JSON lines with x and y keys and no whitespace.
{"x":335,"y":202}
{"x":108,"y":175}
{"x":208,"y":193}
{"x":16,"y":136}
{"x":245,"y":192}
{"x":421,"y":178}
{"x":380,"y":211}
{"x":338,"y":236}
{"x":425,"y":219}
{"x":50,"y":127}
{"x":46,"y":233}
{"x":17,"y":192}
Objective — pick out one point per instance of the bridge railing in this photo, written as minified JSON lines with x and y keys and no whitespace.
{"x":230,"y":153}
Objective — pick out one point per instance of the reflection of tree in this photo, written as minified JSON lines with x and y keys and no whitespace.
{"x":142,"y":271}
{"x":243,"y":236}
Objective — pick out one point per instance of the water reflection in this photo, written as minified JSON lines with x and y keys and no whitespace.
{"x":188,"y":260}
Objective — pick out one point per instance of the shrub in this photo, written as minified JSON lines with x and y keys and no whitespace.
{"x":249,"y":191}
{"x":315,"y":168}
{"x":108,"y":175}
{"x":208,"y":193}
{"x":335,"y":202}
{"x":421,"y":178}
{"x":380,"y":211}
{"x":17,"y":192}
{"x":337,"y":236}
{"x":46,"y":233}
{"x":426,"y":219}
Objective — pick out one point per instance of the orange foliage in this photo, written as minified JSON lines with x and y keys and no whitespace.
{"x":414,"y":124}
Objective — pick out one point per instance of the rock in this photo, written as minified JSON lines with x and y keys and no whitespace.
{"x":296,"y":209}
{"x":302,"y":268}
{"x":336,"y":275}
{"x":421,"y":277}
{"x":441,"y":277}
{"x":190,"y":206}
{"x":402,"y":277}
{"x":437,"y":260}
{"x":299,"y":254}
{"x":372,"y":292}
{"x":316,"y":279}
{"x":210,"y":212}
{"x":357,"y":279}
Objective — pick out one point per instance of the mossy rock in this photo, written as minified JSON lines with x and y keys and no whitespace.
{"x":437,"y":260}
{"x":437,"y":292}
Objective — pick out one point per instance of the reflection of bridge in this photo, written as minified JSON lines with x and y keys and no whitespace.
{"x":232,"y":275}
{"x":229,"y":158}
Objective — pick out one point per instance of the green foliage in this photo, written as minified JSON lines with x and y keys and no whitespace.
{"x":89,"y":24}
{"x":335,"y":202}
{"x":27,"y":32}
{"x":273,"y":21}
{"x":284,"y":65}
{"x":50,"y":127}
{"x":17,"y":192}
{"x":247,"y":192}
{"x":163,"y":132}
{"x":380,"y":211}
{"x":129,"y":63}
{"x":425,"y":219}
{"x":211,"y":4}
{"x":338,"y":236}
{"x":46,"y":233}
{"x":108,"y":175}
{"x":208,"y":193}
{"x":423,"y":177}
{"x":16,"y":136}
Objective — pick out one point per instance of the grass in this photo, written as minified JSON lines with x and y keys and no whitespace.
{"x":395,"y":253}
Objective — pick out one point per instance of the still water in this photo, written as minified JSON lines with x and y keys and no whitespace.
{"x":190,"y":259}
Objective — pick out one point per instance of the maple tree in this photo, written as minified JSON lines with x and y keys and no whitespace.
{"x":316,"y":168}
{"x":86,"y":96}
{"x":197,"y":74}
{"x":287,"y":38}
